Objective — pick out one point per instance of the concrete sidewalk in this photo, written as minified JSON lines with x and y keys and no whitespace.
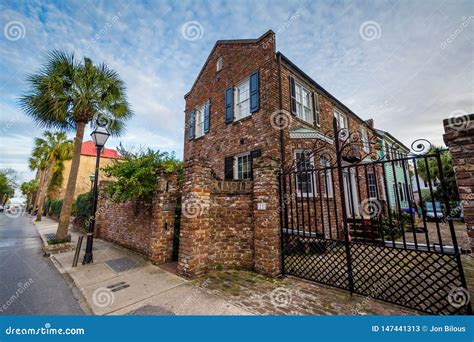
{"x":120,"y":282}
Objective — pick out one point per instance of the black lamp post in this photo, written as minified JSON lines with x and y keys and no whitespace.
{"x":99,"y":136}
{"x":92,"y":177}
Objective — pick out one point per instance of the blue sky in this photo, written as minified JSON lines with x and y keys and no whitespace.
{"x":407,"y":64}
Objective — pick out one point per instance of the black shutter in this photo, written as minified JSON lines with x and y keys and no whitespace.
{"x":293,"y":95}
{"x":229,"y":105}
{"x":207,"y":116}
{"x":229,"y":168}
{"x":254,"y":93}
{"x":191,"y":125}
{"x":316,"y":113}
{"x":254,"y":154}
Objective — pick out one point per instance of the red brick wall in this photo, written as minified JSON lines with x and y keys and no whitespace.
{"x":146,"y":228}
{"x":459,"y":137}
{"x":216,"y":223}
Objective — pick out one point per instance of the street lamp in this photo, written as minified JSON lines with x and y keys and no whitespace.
{"x":99,"y":136}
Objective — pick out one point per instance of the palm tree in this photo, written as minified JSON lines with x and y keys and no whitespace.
{"x":56,"y":148}
{"x":69,"y":94}
{"x":28,"y":189}
{"x":39,"y":162}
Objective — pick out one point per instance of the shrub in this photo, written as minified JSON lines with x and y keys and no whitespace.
{"x":55,"y":207}
{"x":82,"y":207}
{"x":136,"y":175}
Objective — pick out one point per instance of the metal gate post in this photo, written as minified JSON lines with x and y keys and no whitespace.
{"x":343,"y":206}
{"x":451,"y":227}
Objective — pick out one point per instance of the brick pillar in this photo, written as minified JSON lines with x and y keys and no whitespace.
{"x":459,"y":137}
{"x":163,"y":220}
{"x":194,"y":237}
{"x":267,"y":243}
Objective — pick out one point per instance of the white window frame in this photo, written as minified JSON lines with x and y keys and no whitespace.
{"x":364,"y":137}
{"x":219,"y":64}
{"x":236,"y":166}
{"x":326,"y":166}
{"x":239,"y":103}
{"x":304,"y":111}
{"x":317,"y":112}
{"x":341,"y":120}
{"x":311,"y":184}
{"x":199,"y":121}
{"x":371,"y":186}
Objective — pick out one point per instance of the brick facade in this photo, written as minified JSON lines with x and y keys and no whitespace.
{"x":216,"y":222}
{"x":146,"y":228}
{"x":459,"y":137}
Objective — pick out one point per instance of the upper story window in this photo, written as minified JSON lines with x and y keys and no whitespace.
{"x":364,"y":137}
{"x":219,"y":64}
{"x":199,"y":121}
{"x":341,"y":121}
{"x":304,"y":103}
{"x":242,"y":99}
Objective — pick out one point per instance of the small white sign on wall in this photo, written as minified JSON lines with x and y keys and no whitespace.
{"x":262,"y":206}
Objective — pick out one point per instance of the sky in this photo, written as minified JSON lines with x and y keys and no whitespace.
{"x":407,"y":64}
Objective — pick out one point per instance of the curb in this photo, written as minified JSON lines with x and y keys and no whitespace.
{"x":76,"y":292}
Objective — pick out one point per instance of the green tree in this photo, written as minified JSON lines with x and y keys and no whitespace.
{"x":135,"y":176}
{"x":7,"y":184}
{"x":68,"y":94}
{"x":447,"y":182}
{"x":55,"y":148}
{"x":28,"y":189}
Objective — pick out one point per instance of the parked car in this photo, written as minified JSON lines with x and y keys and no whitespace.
{"x":430,"y":211}
{"x":1,"y":208}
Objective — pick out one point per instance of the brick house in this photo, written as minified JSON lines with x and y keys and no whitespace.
{"x":250,"y":101}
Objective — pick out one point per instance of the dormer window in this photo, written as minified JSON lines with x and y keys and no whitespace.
{"x":219,"y":64}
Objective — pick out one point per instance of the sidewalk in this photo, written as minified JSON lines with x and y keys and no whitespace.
{"x":120,"y":282}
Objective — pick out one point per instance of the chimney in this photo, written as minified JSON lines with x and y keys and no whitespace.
{"x":370,"y":123}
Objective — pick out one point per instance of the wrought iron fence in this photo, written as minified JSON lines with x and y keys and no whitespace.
{"x":372,"y":219}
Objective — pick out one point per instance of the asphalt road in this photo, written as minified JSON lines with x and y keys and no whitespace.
{"x":29,"y":282}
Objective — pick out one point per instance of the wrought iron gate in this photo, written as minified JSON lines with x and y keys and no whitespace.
{"x":375,"y":220}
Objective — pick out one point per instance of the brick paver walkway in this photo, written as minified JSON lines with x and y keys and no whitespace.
{"x":291,"y":296}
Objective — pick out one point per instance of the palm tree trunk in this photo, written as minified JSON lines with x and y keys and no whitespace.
{"x":44,"y":189}
{"x":40,"y":187}
{"x":61,"y":233}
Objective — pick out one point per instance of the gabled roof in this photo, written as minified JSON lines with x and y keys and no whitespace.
{"x":88,"y":149}
{"x":227,"y":41}
{"x":384,"y":134}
